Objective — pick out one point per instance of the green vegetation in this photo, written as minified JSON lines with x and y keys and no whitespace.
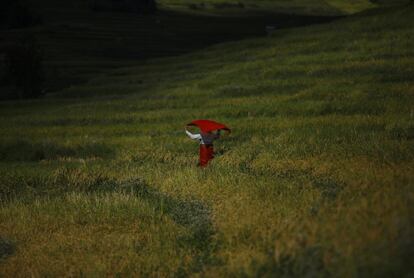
{"x":316,"y":178}
{"x":78,"y":43}
{"x":318,"y":7}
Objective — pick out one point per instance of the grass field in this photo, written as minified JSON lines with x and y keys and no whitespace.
{"x":310,"y":7}
{"x":78,"y":43}
{"x":315,"y":180}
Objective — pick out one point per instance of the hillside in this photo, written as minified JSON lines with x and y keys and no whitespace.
{"x":316,"y":178}
{"x":79,"y":43}
{"x":309,"y":7}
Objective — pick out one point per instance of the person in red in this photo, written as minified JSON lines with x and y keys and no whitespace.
{"x":206,"y":140}
{"x":209,"y":132}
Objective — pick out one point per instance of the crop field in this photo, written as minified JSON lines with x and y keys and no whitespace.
{"x":316,"y":178}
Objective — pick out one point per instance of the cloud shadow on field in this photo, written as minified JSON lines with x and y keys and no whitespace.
{"x":23,"y":150}
{"x":7,"y":248}
{"x":192,"y":214}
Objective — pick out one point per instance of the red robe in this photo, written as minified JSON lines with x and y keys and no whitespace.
{"x":206,"y":154}
{"x":206,"y":146}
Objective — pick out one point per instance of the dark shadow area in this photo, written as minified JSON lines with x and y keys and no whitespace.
{"x":131,"y":6}
{"x":23,"y":75}
{"x":18,"y":14}
{"x":23,"y":150}
{"x":78,"y":45}
{"x":7,"y":248}
{"x":193,"y":214}
{"x":329,"y":187}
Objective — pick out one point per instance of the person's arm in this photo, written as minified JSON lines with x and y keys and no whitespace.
{"x":193,"y":136}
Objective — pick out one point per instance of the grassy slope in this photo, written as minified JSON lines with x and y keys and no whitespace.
{"x":315,"y":179}
{"x":329,"y":7}
{"x":78,"y":44}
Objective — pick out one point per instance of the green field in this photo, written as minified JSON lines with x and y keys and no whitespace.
{"x":316,"y":179}
{"x":318,"y":7}
{"x":78,"y":43}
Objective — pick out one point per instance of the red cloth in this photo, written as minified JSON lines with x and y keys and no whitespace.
{"x":206,"y":154}
{"x":208,"y":125}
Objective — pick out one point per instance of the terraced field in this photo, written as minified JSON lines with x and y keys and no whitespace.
{"x":316,"y":178}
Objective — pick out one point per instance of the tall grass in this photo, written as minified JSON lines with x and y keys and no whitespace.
{"x":315,"y":180}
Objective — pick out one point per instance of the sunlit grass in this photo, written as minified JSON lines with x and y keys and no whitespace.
{"x":315,"y":180}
